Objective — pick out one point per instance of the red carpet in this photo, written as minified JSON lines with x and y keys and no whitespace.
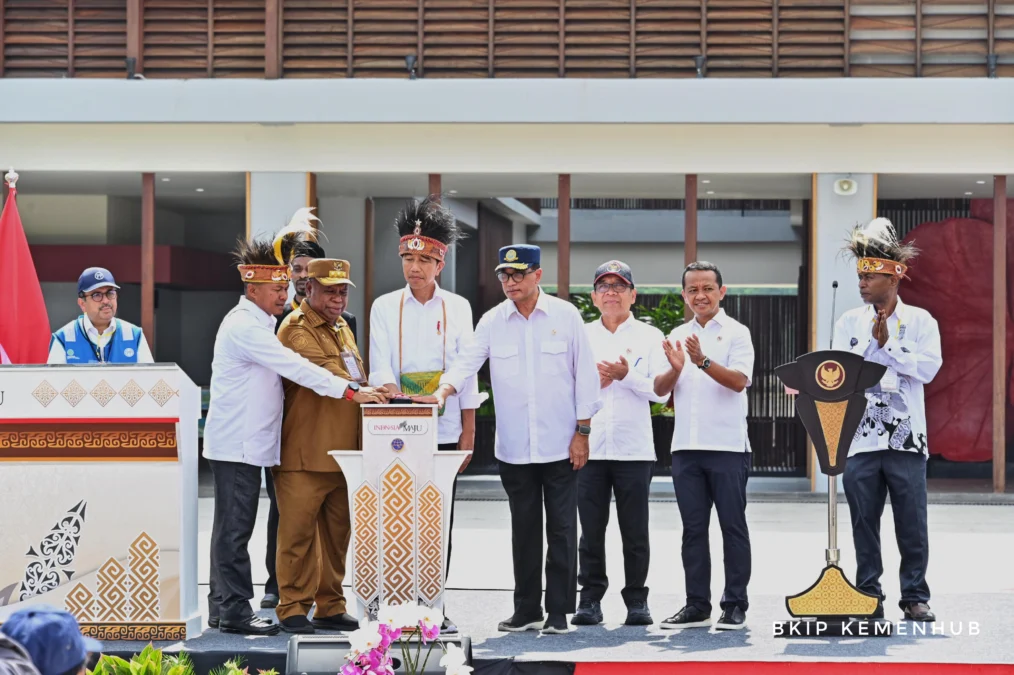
{"x":791,"y":668}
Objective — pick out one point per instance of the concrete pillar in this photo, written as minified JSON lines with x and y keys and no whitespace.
{"x":834,"y":216}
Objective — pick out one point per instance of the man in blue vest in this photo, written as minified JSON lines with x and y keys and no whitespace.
{"x":97,"y":336}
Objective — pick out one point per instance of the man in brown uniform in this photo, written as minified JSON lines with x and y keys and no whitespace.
{"x":309,"y":485}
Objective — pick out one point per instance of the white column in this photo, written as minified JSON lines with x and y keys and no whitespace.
{"x":343,"y":223}
{"x":835,"y":216}
{"x":273,"y":198}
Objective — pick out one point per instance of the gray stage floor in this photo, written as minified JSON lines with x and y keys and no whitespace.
{"x":971,"y":549}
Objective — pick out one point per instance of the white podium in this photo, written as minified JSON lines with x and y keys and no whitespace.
{"x":400,"y":491}
{"x":98,"y":504}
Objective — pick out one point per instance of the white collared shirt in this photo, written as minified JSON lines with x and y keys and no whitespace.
{"x":543,"y":374}
{"x":422,"y":337}
{"x":244,"y":421}
{"x":710,"y":416}
{"x":57,"y":353}
{"x":622,"y":428}
{"x":894,"y":419}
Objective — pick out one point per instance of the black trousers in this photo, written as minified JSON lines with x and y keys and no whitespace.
{"x":702,"y":478}
{"x":869,"y":477}
{"x":530,"y":488}
{"x":450,"y":528}
{"x":271,"y":585}
{"x":597,"y":482}
{"x":237,"y":492}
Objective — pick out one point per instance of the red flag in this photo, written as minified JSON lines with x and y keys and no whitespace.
{"x":24,"y":323}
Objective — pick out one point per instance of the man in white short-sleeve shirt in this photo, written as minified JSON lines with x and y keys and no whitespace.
{"x":711,"y":363}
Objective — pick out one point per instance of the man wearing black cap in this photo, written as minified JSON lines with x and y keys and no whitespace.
{"x":97,"y":336}
{"x":545,"y":391}
{"x":622,"y":457}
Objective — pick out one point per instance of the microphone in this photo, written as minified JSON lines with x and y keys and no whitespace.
{"x":834,"y":297}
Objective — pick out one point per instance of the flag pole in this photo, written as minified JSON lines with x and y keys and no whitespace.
{"x":12,"y":178}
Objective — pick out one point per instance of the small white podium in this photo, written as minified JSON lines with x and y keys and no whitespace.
{"x":400,"y":491}
{"x":98,"y":497}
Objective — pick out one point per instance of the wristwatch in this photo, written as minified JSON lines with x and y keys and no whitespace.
{"x":351,"y":390}
{"x":705,"y":364}
{"x":584,"y":429}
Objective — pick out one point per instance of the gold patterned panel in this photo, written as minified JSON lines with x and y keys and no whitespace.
{"x":45,"y":393}
{"x":832,"y":416}
{"x":136,"y":632}
{"x":398,"y":534}
{"x":161,"y":392}
{"x":112,"y":592}
{"x":132,"y":393}
{"x":431,"y":550}
{"x":80,"y":603}
{"x":832,"y":595}
{"x":74,"y":392}
{"x":365,"y":529}
{"x":144,"y":579}
{"x":103,"y":393}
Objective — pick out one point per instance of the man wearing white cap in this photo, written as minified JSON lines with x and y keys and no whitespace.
{"x":97,"y":336}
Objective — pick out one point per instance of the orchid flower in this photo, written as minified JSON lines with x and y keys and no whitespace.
{"x":453,"y":656}
{"x":365,"y":639}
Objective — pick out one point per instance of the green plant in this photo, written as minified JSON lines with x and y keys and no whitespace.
{"x":666,"y":316}
{"x":149,"y":662}
{"x":234,"y":667}
{"x":584,"y":304}
{"x":486,"y":409}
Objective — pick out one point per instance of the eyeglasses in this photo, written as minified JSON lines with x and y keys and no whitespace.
{"x":517,"y":276}
{"x":605,"y":288}
{"x":97,"y":296}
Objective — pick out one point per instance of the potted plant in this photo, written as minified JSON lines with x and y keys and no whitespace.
{"x":371,"y":646}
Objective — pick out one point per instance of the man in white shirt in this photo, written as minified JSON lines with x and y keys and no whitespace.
{"x":545,"y":390}
{"x":622,"y":451}
{"x":97,"y":336}
{"x":888,"y":454}
{"x":417,"y":332}
{"x":242,"y":434}
{"x":711,"y":363}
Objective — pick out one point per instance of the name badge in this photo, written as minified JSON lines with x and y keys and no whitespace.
{"x":352,"y":367}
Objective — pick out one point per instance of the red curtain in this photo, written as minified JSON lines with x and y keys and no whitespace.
{"x":953,"y":279}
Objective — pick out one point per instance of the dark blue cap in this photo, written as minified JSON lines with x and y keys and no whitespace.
{"x":617,"y":267}
{"x":519,"y":257}
{"x":51,"y":637}
{"x":95,"y":277}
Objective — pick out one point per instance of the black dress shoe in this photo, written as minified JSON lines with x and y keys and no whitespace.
{"x":212,"y":622}
{"x":589,"y":613}
{"x":342,"y":622}
{"x":732,"y":618}
{"x":919,"y":611}
{"x":638,"y":615}
{"x":556,"y":624}
{"x":253,"y":625}
{"x":688,"y":617}
{"x":878,"y":613}
{"x":447,"y":626}
{"x":269,"y":601}
{"x":297,"y":624}
{"x":519,"y":623}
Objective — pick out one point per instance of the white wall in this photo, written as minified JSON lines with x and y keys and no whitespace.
{"x":64,"y":219}
{"x":663,"y":264}
{"x":274,"y":197}
{"x":343,"y":222}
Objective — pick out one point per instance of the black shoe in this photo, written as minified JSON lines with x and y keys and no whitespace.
{"x":519,"y":624}
{"x":732,"y":618}
{"x":638,"y":615}
{"x":297,"y":624}
{"x":269,"y":601}
{"x":212,"y":622}
{"x":878,"y":613}
{"x":688,"y":617}
{"x":342,"y":622}
{"x":447,"y":626}
{"x":253,"y":625}
{"x":919,"y":611}
{"x":589,"y":613}
{"x":556,"y":624}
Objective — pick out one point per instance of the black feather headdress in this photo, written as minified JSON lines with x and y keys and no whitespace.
{"x":877,"y":249}
{"x":427,"y":227}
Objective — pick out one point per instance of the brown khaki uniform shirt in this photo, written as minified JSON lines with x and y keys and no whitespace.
{"x":313,"y":425}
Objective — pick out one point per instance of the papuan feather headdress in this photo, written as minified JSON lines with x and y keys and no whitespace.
{"x":427,"y":227}
{"x":878,"y":250}
{"x":267,"y":262}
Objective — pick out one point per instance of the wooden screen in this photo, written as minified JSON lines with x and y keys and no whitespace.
{"x":315,"y":38}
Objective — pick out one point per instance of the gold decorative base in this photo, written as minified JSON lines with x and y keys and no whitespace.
{"x":143,"y":632}
{"x":832,"y":596}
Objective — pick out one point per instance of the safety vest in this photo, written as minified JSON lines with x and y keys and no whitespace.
{"x":121,"y":348}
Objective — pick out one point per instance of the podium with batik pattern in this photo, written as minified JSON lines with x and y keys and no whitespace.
{"x":400,"y":490}
{"x":98,"y":512}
